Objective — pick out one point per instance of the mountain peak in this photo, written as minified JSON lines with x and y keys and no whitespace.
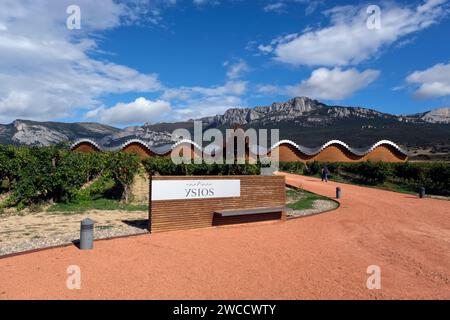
{"x":438,"y":115}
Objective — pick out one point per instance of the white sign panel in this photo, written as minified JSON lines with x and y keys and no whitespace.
{"x":195,"y":189}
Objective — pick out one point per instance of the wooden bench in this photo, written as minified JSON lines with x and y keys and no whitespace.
{"x":243,"y":212}
{"x":248,"y":215}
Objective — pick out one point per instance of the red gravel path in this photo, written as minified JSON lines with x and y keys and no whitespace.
{"x":322,"y":256}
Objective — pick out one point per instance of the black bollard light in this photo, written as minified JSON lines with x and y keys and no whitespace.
{"x":87,"y":234}
{"x":422,"y":192}
{"x":338,"y":193}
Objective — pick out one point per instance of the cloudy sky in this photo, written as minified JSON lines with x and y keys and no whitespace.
{"x":140,"y":61}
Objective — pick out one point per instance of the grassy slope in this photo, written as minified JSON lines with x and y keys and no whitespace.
{"x":306,"y":199}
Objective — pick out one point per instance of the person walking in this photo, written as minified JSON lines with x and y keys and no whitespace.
{"x":325,"y":173}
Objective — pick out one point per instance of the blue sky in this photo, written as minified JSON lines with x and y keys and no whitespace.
{"x":149,"y":61}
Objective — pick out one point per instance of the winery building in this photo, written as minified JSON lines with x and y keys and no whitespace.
{"x":289,"y":151}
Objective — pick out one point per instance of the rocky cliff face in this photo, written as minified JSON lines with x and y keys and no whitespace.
{"x":300,"y":109}
{"x":32,"y":133}
{"x":277,"y":111}
{"x":440,"y":115}
{"x":144,"y":133}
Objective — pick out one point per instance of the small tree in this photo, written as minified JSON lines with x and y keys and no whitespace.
{"x":123,"y":167}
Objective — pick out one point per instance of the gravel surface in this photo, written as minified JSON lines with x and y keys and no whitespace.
{"x":40,"y":230}
{"x":62,"y":239}
{"x":318,"y":207}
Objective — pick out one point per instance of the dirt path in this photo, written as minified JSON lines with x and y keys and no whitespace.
{"x":321,"y":256}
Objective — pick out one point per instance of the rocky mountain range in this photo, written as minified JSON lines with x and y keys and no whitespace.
{"x":306,"y":121}
{"x":440,"y":115}
{"x":33,"y":133}
{"x":301,"y":109}
{"x":307,"y":112}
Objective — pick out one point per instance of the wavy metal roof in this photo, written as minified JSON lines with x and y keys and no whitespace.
{"x":88,"y":141}
{"x":160,"y":150}
{"x":259,"y":150}
{"x":355,"y":151}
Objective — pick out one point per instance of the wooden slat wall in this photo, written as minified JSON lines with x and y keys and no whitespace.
{"x":256,"y":192}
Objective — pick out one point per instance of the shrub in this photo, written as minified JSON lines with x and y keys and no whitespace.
{"x":122,"y":167}
{"x":408,"y":171}
{"x":313,"y":168}
{"x":39,"y":174}
{"x":293,"y":167}
{"x":165,"y":166}
{"x":434,"y":176}
{"x":371,"y":172}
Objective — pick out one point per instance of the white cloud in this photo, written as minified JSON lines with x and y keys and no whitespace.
{"x":347,"y":40}
{"x":205,"y":106}
{"x":205,"y":2}
{"x":236,"y":69}
{"x":137,"y":112}
{"x":324,"y":83}
{"x":196,"y":102}
{"x":270,"y":89}
{"x":46,"y":70}
{"x":230,"y":88}
{"x":175,"y":104}
{"x":433,"y":82}
{"x":274,"y":7}
{"x":279,"y":6}
{"x":265,"y":49}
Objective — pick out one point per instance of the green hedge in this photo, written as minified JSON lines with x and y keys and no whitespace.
{"x":434,"y":176}
{"x":164,"y":166}
{"x":293,"y":167}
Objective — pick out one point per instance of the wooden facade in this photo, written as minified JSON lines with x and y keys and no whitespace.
{"x":256,"y":192}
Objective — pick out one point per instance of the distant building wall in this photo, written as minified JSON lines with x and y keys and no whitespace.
{"x":288,"y":153}
{"x":385,"y":153}
{"x":85,"y":147}
{"x":338,"y":153}
{"x":142,"y":151}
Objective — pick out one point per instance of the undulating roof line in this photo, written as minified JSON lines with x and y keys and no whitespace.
{"x":138,"y":141}
{"x":389,"y":143}
{"x":80,"y":141}
{"x":305,"y":150}
{"x":358,"y":152}
{"x":188,"y":141}
{"x":331,"y":142}
{"x":156,"y":150}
